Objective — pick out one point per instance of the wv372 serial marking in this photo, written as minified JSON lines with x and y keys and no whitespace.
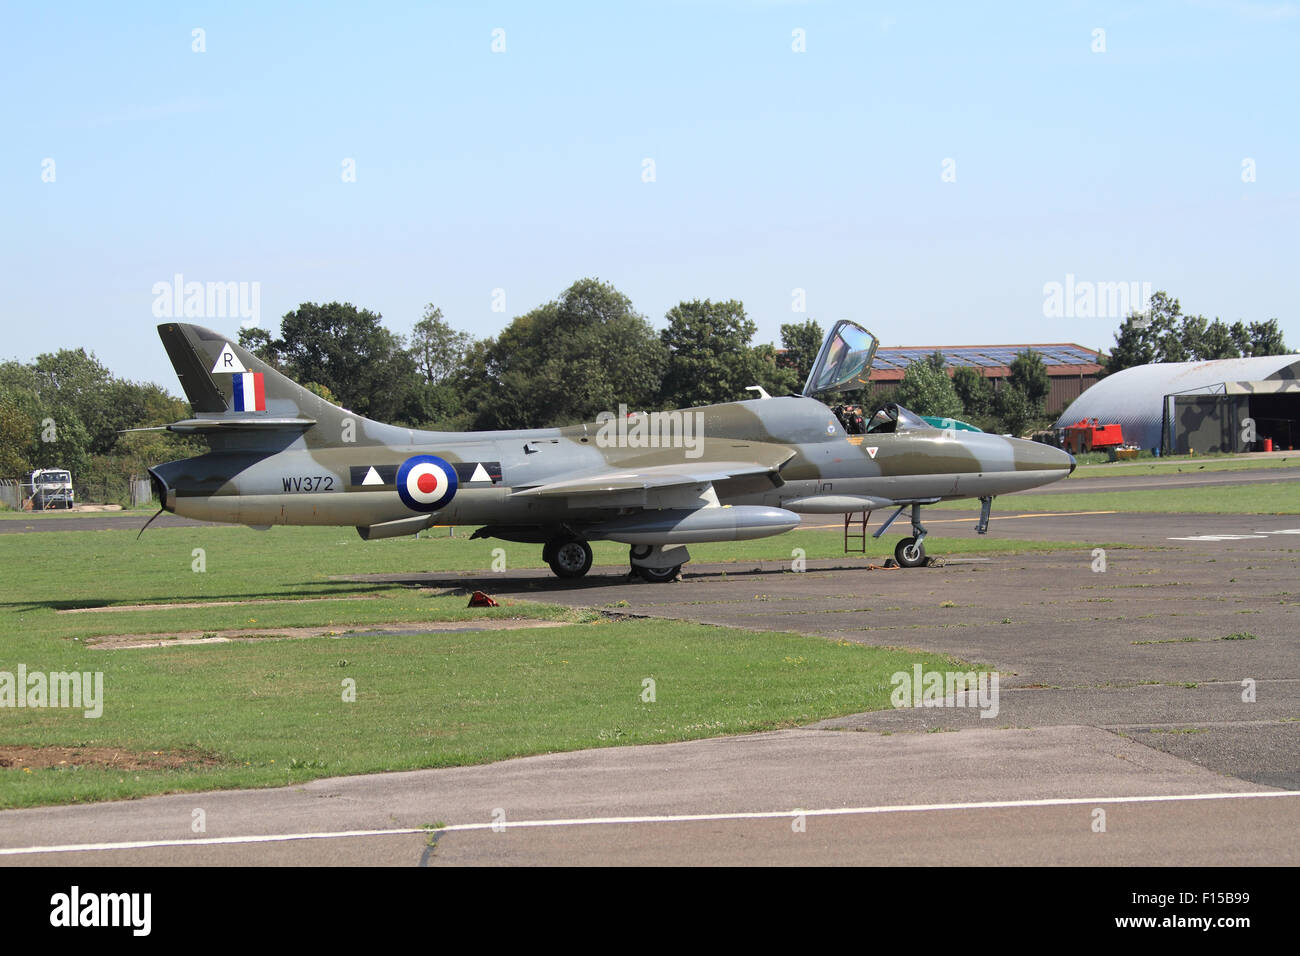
{"x":280,"y":454}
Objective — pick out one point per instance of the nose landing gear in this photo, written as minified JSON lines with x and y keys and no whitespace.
{"x":910,"y":552}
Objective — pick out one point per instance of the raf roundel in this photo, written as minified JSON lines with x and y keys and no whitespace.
{"x":426,"y":483}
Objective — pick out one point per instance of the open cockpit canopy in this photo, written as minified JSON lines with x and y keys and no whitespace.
{"x":844,"y":362}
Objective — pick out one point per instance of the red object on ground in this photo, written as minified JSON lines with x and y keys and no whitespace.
{"x":1268,"y":444}
{"x":479,"y":599}
{"x":1085,"y":435}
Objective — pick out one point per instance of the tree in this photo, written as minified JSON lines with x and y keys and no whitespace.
{"x":775,"y":378}
{"x":260,"y":342}
{"x":928,"y":390}
{"x":710,"y":359}
{"x":317,"y":389}
{"x":801,"y":341}
{"x":65,"y":410}
{"x":1013,"y":411}
{"x":437,"y":349}
{"x":1029,"y":375}
{"x":77,"y":385}
{"x":17,"y":430}
{"x":439,"y":353}
{"x":1260,"y":338}
{"x":1216,"y":342}
{"x":348,"y":351}
{"x":974,"y":391}
{"x":74,"y":406}
{"x":1151,"y":337}
{"x":1021,"y":402}
{"x":61,"y":441}
{"x":567,"y":361}
{"x":1165,"y":334}
{"x":1132,"y":347}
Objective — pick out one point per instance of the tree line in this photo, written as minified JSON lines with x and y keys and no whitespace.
{"x":66,"y":410}
{"x":563,"y":362}
{"x":1164,"y":334}
{"x":586,"y":352}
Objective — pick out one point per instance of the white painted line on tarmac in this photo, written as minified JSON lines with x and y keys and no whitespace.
{"x":1236,"y":537}
{"x":634,"y":820}
{"x":1043,"y":514}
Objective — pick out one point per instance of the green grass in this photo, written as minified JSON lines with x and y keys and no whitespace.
{"x":1183,"y":464}
{"x":272,"y":712}
{"x":15,"y":514}
{"x":1261,"y":498}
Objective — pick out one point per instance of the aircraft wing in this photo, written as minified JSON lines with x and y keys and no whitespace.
{"x":651,"y":477}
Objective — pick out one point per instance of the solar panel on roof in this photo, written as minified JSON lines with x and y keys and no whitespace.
{"x":982,"y":357}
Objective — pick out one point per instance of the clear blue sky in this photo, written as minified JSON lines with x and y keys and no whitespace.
{"x":522,"y":170}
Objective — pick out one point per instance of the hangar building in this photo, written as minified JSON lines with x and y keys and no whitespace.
{"x":1202,"y":406}
{"x":1070,"y":368}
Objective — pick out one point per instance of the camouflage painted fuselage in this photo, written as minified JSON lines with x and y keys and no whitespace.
{"x":302,"y":461}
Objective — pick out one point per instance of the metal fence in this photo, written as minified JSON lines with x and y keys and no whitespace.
{"x":115,"y":490}
{"x":128,"y":492}
{"x":141,"y":491}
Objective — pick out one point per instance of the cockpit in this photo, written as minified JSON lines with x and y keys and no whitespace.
{"x":889,"y":418}
{"x":844,"y":365}
{"x":892,"y":417}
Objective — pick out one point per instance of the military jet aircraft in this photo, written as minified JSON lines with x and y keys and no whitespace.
{"x":658,"y":481}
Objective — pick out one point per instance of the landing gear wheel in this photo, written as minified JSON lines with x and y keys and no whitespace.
{"x":658,"y":575}
{"x":909,"y":553}
{"x":569,"y":558}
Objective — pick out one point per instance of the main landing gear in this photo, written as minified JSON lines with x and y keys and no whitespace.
{"x":568,"y":557}
{"x":655,"y":563}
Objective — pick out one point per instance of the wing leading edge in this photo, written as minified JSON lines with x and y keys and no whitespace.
{"x":654,"y":477}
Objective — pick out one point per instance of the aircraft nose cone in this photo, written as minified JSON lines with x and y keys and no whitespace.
{"x":1035,"y":456}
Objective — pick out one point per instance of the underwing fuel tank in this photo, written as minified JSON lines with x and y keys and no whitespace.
{"x":395,"y":529}
{"x":672,"y":526}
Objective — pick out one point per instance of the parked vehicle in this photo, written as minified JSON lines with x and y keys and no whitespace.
{"x":51,"y":489}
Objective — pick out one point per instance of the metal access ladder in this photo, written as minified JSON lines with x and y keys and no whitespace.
{"x":855,"y":541}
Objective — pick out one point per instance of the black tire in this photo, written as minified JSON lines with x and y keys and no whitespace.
{"x":909,"y":554}
{"x":570,"y":558}
{"x":659,"y":575}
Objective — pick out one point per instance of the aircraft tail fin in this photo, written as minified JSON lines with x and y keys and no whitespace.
{"x":232,"y":390}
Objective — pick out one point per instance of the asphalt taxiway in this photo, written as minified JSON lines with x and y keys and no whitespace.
{"x":1162,"y":693}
